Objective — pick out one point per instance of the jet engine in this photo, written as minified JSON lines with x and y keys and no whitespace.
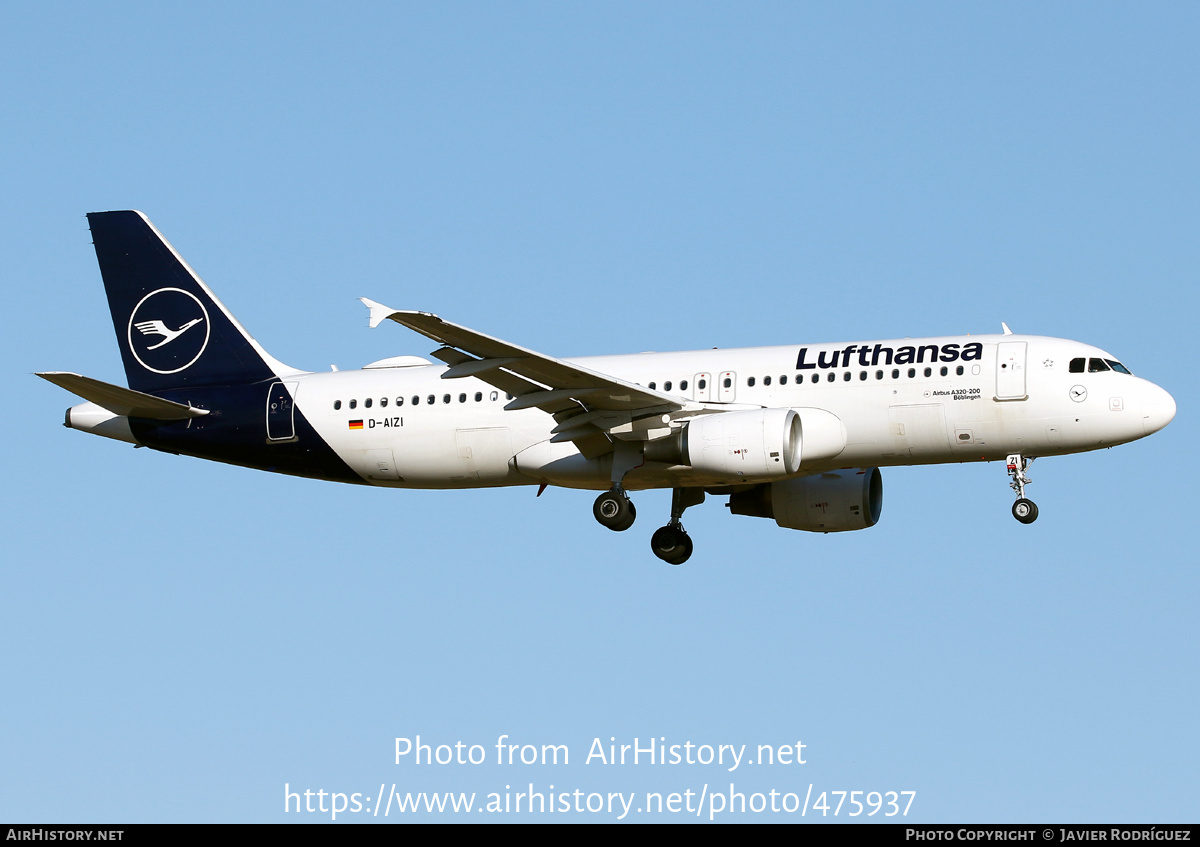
{"x":752,"y":444}
{"x":827,"y":502}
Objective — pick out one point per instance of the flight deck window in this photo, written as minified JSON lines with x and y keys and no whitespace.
{"x":1118,"y":367}
{"x":1076,"y":366}
{"x":1096,"y":366}
{"x":337,"y":404}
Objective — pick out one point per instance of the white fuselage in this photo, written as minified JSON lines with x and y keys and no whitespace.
{"x":1015,"y":394}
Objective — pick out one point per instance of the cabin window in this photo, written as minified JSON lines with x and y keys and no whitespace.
{"x":445,"y":398}
{"x":750,"y":382}
{"x":895,"y":373}
{"x":783,"y":380}
{"x":702,"y":384}
{"x":367,"y":403}
{"x":399,"y":401}
{"x":929,"y":372}
{"x":667,"y":385}
{"x":832,"y":376}
{"x":846,"y":376}
{"x":495,"y":396}
{"x":416,"y":400}
{"x":766,"y":381}
{"x":683,"y":385}
{"x":728,"y":382}
{"x":1076,"y":366}
{"x":945,"y":370}
{"x":353,"y":404}
{"x":816,"y":378}
{"x":912,"y":372}
{"x":653,"y":386}
{"x":462,"y":398}
{"x":430,"y":399}
{"x":383,"y":402}
{"x":879,"y":374}
{"x":478,"y":396}
{"x":959,"y":370}
{"x":862,"y":375}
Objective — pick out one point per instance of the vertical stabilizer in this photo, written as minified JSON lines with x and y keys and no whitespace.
{"x":171,"y":329}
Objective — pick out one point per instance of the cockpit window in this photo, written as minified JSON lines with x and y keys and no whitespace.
{"x":1096,"y":366}
{"x":1117,"y":366}
{"x":1077,"y":366}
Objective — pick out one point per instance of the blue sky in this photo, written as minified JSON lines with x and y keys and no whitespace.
{"x":180,"y":639}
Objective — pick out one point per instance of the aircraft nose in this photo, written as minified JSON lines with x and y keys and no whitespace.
{"x":1158,"y":409}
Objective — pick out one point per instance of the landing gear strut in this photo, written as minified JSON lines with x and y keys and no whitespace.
{"x":1024,"y":510}
{"x":671,"y":542}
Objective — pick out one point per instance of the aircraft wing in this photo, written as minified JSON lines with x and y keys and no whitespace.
{"x":585,"y":403}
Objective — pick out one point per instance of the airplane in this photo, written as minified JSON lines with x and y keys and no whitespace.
{"x":792,"y":433}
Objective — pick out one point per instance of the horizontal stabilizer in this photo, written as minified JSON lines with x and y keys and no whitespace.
{"x":122,"y":401}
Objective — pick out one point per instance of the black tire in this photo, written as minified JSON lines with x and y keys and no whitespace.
{"x":671,"y":544}
{"x":1025,"y":511}
{"x":614,"y":510}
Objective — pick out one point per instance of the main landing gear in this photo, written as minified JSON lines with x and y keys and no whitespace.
{"x":670,"y":543}
{"x":1024,"y":510}
{"x":614,"y":509}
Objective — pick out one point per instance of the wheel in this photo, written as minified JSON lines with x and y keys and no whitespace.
{"x":614,"y":510}
{"x":671,"y":544}
{"x":1025,"y":510}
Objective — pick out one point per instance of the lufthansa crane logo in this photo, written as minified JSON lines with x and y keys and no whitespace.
{"x":168,"y":330}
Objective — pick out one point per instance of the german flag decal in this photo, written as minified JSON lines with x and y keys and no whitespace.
{"x":356,"y":424}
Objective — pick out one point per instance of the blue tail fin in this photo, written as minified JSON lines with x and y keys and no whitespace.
{"x":171,"y":329}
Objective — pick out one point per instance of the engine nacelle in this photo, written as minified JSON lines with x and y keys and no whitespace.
{"x":829,"y":502}
{"x":757,"y":444}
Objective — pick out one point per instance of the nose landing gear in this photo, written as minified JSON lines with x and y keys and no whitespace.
{"x":1024,"y":510}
